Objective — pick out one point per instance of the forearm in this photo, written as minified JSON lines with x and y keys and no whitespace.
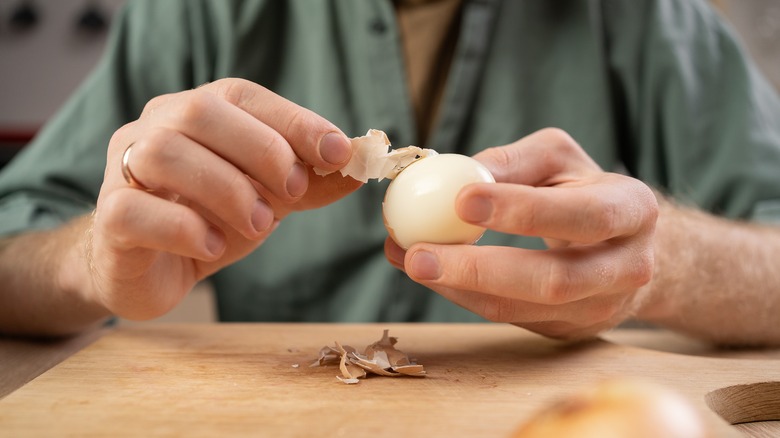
{"x":715,"y":279}
{"x":45,"y":277}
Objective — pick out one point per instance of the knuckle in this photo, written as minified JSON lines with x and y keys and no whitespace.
{"x":529,"y":221}
{"x":556,"y":134}
{"x":155,"y":103}
{"x":235,"y":190}
{"x":275,"y":148}
{"x":648,"y":201}
{"x":114,"y":217}
{"x":643,"y":270}
{"x":605,"y":310}
{"x":179,"y":227}
{"x":500,"y":155}
{"x":152,"y":103}
{"x":642,"y":209}
{"x":499,"y":159}
{"x":121,"y":137}
{"x":559,"y":285}
{"x":468,"y":272}
{"x":154,"y":150}
{"x":194,"y":108}
{"x":560,"y":140}
{"x":234,"y":185}
{"x":601,"y":219}
{"x":605,"y":275}
{"x":306,"y":126}
{"x":297,"y":121}
{"x":498,"y":309}
{"x":562,"y":148}
{"x":237,"y":91}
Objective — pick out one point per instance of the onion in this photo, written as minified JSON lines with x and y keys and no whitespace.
{"x":618,"y":409}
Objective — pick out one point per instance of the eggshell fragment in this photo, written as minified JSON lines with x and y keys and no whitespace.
{"x":348,"y":369}
{"x":371,"y":158}
{"x":419,"y":204}
{"x":380,"y":358}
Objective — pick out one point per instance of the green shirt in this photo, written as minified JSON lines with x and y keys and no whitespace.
{"x":658,"y":89}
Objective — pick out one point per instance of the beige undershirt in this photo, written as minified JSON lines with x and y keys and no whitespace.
{"x":429,"y":32}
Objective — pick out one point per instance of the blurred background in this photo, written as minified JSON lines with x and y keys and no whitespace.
{"x":47,"y":47}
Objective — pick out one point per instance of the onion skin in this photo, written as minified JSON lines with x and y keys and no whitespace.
{"x":618,"y":409}
{"x":419,"y":204}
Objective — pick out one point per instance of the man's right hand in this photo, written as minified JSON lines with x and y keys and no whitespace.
{"x":214,"y":170}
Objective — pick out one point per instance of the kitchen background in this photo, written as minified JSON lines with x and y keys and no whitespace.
{"x":47,"y":47}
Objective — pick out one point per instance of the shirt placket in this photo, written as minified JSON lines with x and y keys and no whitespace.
{"x":465,"y":74}
{"x":391,"y":109}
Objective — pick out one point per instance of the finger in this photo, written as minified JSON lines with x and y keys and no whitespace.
{"x":580,"y":317}
{"x":316,"y":140}
{"x":132,"y":219}
{"x":326,"y":190}
{"x":614,"y":206}
{"x":167,"y":161}
{"x":566,"y":330}
{"x":589,"y":324}
{"x":555,"y":276}
{"x":544,"y":158}
{"x":233,"y":134}
{"x":159,"y":101}
{"x":394,"y":253}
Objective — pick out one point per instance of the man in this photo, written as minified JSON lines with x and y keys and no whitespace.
{"x":215,"y":181}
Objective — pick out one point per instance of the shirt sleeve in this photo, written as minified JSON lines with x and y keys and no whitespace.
{"x":58,"y":175}
{"x":702,"y":124}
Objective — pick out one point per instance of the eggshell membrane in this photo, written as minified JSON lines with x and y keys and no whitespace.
{"x":419,"y":204}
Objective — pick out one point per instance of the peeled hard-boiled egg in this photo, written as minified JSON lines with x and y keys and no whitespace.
{"x":419,"y":204}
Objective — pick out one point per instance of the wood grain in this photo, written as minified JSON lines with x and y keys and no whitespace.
{"x":22,"y":360}
{"x":254,"y":379}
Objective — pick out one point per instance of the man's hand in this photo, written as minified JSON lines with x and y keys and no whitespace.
{"x":599,"y":228}
{"x":215,"y":169}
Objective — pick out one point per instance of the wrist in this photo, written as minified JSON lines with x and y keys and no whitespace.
{"x":655,"y":300}
{"x":75,"y":271}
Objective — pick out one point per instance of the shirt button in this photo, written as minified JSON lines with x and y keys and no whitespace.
{"x":377,"y":26}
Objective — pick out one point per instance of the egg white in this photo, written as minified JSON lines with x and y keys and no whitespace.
{"x":419,"y":204}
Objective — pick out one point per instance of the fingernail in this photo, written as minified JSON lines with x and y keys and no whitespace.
{"x":262,"y":216}
{"x":335,"y":148}
{"x":297,"y":181}
{"x":425,"y":266}
{"x":476,"y":209}
{"x":215,"y":241}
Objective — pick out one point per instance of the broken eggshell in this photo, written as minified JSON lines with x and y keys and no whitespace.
{"x":380,"y":358}
{"x":373,"y":159}
{"x":419,"y":204}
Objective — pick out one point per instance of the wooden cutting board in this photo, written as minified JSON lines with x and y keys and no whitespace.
{"x":255,"y":379}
